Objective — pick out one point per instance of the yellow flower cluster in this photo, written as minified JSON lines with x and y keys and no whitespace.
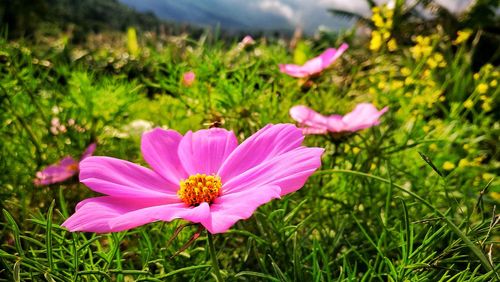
{"x":422,"y":48}
{"x":436,"y":60}
{"x":382,"y":19}
{"x":486,"y":88}
{"x":473,"y":163}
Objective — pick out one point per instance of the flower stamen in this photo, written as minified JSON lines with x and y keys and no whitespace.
{"x":199,"y":188}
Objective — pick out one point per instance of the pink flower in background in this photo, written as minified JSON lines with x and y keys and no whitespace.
{"x":315,"y":65}
{"x":188,"y":78}
{"x":365,"y":115}
{"x":247,"y":40}
{"x":204,"y":177}
{"x":63,"y":170}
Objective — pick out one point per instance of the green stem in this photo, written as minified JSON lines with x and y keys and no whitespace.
{"x":477,"y":251}
{"x":213,"y":256}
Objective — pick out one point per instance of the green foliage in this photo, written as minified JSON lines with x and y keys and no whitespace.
{"x":377,"y":210}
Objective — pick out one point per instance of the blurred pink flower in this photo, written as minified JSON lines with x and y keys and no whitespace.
{"x":365,"y":115}
{"x":204,"y":177}
{"x":247,"y":40}
{"x":63,"y":170}
{"x":188,"y":78}
{"x":315,"y":65}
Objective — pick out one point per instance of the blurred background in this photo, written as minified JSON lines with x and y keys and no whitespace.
{"x":236,"y":18}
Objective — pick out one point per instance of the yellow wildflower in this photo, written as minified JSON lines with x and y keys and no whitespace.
{"x":392,"y":45}
{"x":495,"y":195}
{"x":347,"y":148}
{"x":488,"y":176}
{"x":448,"y":166}
{"x":432,"y":63}
{"x":356,"y":150}
{"x":396,"y":84}
{"x":494,"y":83}
{"x":476,"y":76}
{"x":463,"y":163}
{"x":405,"y":71}
{"x":376,"y":41}
{"x":486,"y":106}
{"x":377,"y":19}
{"x":468,"y":104}
{"x":433,"y":147}
{"x":482,"y":88}
{"x":462,"y":36}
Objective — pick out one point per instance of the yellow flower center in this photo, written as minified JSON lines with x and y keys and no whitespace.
{"x":199,"y":188}
{"x":72,"y":167}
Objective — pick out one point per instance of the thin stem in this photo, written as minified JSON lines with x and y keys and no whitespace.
{"x":477,"y":251}
{"x":213,"y":256}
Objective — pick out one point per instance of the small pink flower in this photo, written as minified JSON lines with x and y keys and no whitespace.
{"x":204,"y":177}
{"x":315,"y":65}
{"x":188,"y":78}
{"x":63,"y":170}
{"x":247,"y":40}
{"x":365,"y":115}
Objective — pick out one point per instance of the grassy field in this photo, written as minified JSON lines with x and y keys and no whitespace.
{"x":412,"y":199}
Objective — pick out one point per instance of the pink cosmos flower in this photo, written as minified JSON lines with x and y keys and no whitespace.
{"x":365,"y":115}
{"x":63,"y":170}
{"x":315,"y":65}
{"x":247,"y":40}
{"x":188,"y":78}
{"x":204,"y":177}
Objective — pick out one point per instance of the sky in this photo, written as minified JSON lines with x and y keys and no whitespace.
{"x":265,"y":14}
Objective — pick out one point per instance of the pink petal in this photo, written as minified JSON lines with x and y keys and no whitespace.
{"x":188,"y":78}
{"x":306,"y":116}
{"x":335,"y":123}
{"x":316,"y":64}
{"x":247,"y":40}
{"x":120,"y":178}
{"x":59,"y":172}
{"x":314,"y":130}
{"x":199,"y":214}
{"x":111,"y":214}
{"x":289,"y":171}
{"x":205,"y":150}
{"x":293,"y":70}
{"x":330,"y":55}
{"x":228,"y":209}
{"x":89,"y":151}
{"x":363,"y":116}
{"x":313,"y":66}
{"x":265,"y":144}
{"x":159,"y":149}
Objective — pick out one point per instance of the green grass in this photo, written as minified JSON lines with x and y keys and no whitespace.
{"x":385,"y":206}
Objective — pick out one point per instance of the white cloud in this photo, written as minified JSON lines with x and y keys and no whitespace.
{"x":278,"y":7}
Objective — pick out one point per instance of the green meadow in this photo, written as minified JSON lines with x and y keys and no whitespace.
{"x":412,"y":199}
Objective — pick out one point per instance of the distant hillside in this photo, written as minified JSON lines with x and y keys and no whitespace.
{"x":24,"y":17}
